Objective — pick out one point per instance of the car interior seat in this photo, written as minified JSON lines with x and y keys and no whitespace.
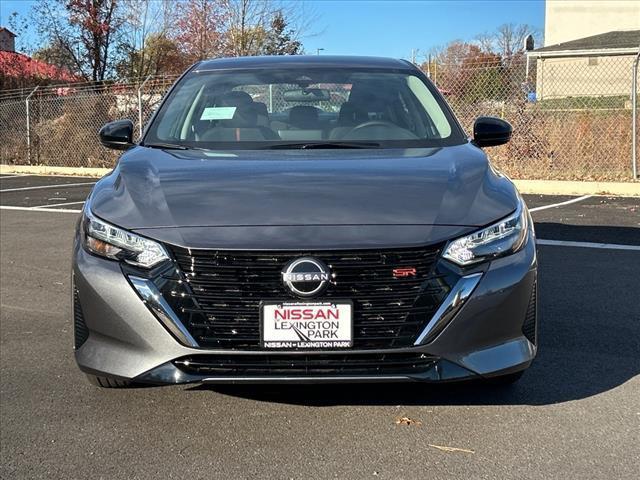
{"x":243,"y":126}
{"x":304,"y":124}
{"x":350,"y":116}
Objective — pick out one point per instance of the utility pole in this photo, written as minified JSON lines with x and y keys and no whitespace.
{"x":318,"y":50}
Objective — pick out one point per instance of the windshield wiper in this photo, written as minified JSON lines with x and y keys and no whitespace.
{"x":328,"y":145}
{"x":168,"y":146}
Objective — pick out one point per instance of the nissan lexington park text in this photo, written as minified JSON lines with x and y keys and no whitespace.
{"x":304,"y":219}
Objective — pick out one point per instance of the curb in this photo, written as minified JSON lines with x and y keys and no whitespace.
{"x":49,"y":170}
{"x":540,"y":187}
{"x":564,"y":187}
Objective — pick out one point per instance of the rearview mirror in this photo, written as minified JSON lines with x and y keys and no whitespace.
{"x":491,"y":131}
{"x":117,"y":135}
{"x":307,"y":95}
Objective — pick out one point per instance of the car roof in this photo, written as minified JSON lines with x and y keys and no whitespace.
{"x":303,"y":60}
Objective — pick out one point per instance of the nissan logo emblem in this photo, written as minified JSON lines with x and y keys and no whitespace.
{"x":306,"y":276}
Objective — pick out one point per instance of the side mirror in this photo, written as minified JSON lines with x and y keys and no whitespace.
{"x":117,"y":135}
{"x":491,"y":131}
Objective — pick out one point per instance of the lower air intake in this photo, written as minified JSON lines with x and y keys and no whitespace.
{"x":529,"y":328}
{"x":80,"y":330}
{"x":306,"y":365}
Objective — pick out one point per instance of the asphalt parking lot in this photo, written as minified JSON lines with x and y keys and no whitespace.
{"x":575,"y":413}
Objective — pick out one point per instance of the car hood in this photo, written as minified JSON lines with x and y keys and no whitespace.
{"x":157,"y":190}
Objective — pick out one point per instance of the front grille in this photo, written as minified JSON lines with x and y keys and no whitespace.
{"x":220,"y":304}
{"x":306,"y":365}
{"x":529,"y":327}
{"x":80,"y":330}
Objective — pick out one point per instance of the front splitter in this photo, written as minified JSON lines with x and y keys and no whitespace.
{"x":440,"y":371}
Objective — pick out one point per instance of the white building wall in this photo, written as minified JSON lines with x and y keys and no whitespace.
{"x":567,"y":20}
{"x":584,"y":77}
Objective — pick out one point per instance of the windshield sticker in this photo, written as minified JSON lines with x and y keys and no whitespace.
{"x":218,"y":113}
{"x":219,"y":154}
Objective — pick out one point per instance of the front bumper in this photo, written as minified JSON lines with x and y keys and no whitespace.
{"x":484,"y":338}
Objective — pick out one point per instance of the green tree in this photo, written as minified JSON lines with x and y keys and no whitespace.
{"x":280,"y":39}
{"x":55,"y":53}
{"x":161,"y":55}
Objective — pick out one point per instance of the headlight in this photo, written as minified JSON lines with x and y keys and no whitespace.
{"x":502,"y":238}
{"x":104,"y":239}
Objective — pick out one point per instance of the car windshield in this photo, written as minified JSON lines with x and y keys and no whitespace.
{"x":297,"y":107}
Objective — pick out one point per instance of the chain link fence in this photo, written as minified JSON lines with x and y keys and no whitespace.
{"x":59,"y":125}
{"x":572,"y":117}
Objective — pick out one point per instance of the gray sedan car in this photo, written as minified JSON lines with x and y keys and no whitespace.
{"x":304,"y":219}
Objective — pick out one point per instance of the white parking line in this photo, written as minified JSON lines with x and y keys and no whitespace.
{"x":47,"y":175}
{"x":554,"y":205}
{"x":604,"y":246}
{"x":38,"y":209}
{"x":14,"y":176}
{"x":57,"y":204}
{"x":40,"y":187}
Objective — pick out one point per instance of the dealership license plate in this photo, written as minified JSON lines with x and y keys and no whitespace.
{"x":307,"y":325}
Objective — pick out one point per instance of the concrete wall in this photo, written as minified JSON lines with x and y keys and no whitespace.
{"x":583,"y":76}
{"x":567,"y":20}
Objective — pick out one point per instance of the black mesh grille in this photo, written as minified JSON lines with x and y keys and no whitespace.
{"x":80,"y":330}
{"x":307,"y":365}
{"x":220,"y":305}
{"x":529,"y":327}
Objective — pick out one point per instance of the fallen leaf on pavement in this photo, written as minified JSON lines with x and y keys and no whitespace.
{"x":451,"y":449}
{"x":407,"y":421}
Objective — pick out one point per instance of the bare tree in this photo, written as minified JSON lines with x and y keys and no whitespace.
{"x":85,"y":30}
{"x":507,"y":41}
{"x":247,"y":22}
{"x":145,"y":22}
{"x":19,"y":25}
{"x":256,"y":27}
{"x":510,"y":39}
{"x":486,"y":41}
